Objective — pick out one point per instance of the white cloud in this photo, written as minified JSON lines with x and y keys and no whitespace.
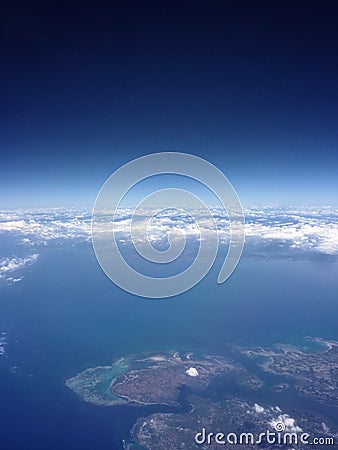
{"x":290,"y":425}
{"x":192,"y":372}
{"x":26,"y":242}
{"x":3,"y":343}
{"x":276,"y":418}
{"x":326,"y":429}
{"x":12,"y":280}
{"x":9,"y":266}
{"x":305,"y":229}
{"x":38,"y":227}
{"x":258,"y":409}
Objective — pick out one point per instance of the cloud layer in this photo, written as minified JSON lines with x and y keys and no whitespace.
{"x":305,"y":229}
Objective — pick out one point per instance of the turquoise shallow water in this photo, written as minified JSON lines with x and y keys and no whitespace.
{"x":66,"y":316}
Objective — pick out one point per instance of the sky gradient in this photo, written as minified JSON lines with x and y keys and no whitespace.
{"x":250,"y":87}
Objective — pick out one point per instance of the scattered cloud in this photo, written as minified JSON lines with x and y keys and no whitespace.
{"x":277,"y":419}
{"x":3,"y":343}
{"x":289,"y":423}
{"x":10,"y":266}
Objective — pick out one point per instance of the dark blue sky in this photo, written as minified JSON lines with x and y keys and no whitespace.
{"x":87,"y":86}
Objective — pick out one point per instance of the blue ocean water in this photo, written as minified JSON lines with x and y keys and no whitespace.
{"x":66,"y":316}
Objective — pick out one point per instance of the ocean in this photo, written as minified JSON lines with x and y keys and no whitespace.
{"x":66,"y":316}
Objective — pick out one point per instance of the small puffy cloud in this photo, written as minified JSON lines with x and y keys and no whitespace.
{"x":26,"y":242}
{"x":258,"y":409}
{"x":326,"y":429}
{"x":12,"y":280}
{"x":192,"y":372}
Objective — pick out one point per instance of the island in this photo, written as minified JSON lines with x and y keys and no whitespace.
{"x":282,"y":390}
{"x":155,"y":378}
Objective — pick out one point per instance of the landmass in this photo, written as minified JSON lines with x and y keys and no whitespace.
{"x":223,"y":394}
{"x":314,"y":373}
{"x":239,"y":423}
